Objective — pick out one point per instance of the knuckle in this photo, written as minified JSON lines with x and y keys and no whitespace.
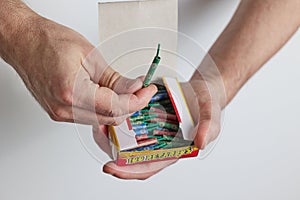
{"x":58,"y":114}
{"x":105,"y":121}
{"x":67,"y":96}
{"x":112,"y":122}
{"x":54,"y":117}
{"x":110,"y":113}
{"x":115,"y":111}
{"x":63,"y":94}
{"x":118,"y":121}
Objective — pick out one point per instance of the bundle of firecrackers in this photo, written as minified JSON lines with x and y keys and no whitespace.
{"x":156,"y":126}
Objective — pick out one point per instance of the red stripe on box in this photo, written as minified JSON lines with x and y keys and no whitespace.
{"x":129,"y":124}
{"x":174,"y":105}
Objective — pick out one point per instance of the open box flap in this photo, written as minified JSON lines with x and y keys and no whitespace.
{"x":181,"y":107}
{"x":125,"y":137}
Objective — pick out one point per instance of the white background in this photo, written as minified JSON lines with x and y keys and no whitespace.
{"x":257,"y":156}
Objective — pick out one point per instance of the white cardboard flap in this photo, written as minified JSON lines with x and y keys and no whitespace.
{"x":181,"y":107}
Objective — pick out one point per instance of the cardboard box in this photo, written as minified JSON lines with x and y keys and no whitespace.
{"x":130,"y":31}
{"x":126,"y":148}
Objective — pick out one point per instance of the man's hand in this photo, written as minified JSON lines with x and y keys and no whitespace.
{"x":205,"y":96}
{"x":71,"y":81}
{"x":69,"y":77}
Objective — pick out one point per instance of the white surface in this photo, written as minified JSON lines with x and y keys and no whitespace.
{"x":256,"y":158}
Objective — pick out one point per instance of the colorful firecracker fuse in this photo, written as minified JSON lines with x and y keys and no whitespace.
{"x":155,"y":120}
{"x":168,"y":126}
{"x":150,"y":116}
{"x":144,"y":137}
{"x":141,"y":131}
{"x":156,"y":110}
{"x":136,"y":114}
{"x":152,"y":68}
{"x":141,"y":112}
{"x":163,"y":113}
{"x":152,"y":125}
{"x":143,"y":117}
{"x":137,"y":118}
{"x":151,"y":129}
{"x":178,"y":144}
{"x":171,"y":138}
{"x":167,"y":116}
{"x":159,"y":96}
{"x":137,"y":123}
{"x":164,"y":129}
{"x":158,"y":132}
{"x":141,"y":126}
{"x":154,"y":105}
{"x":147,"y":142}
{"x":160,"y":145}
{"x":158,"y":137}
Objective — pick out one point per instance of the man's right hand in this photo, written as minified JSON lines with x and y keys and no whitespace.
{"x":69,"y":77}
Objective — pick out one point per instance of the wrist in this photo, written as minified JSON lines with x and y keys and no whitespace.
{"x":15,"y":31}
{"x":233,"y":74}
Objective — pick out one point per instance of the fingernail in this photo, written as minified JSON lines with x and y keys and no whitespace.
{"x":154,"y":88}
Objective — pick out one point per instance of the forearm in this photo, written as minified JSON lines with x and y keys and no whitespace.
{"x":256,"y":32}
{"x":16,"y":22}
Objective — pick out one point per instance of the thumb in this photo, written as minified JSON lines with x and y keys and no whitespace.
{"x":125,"y":85}
{"x":103,"y":74}
{"x":120,"y":84}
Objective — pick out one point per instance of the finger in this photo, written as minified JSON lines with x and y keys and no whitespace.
{"x":106,"y":102}
{"x":127,"y":86}
{"x":101,"y":73}
{"x":139,"y":171}
{"x":209,"y":124}
{"x":81,"y":116}
{"x":100,"y":135}
{"x":87,"y":117}
{"x":138,"y":100}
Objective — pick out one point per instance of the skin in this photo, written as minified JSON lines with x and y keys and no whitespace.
{"x":51,"y":60}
